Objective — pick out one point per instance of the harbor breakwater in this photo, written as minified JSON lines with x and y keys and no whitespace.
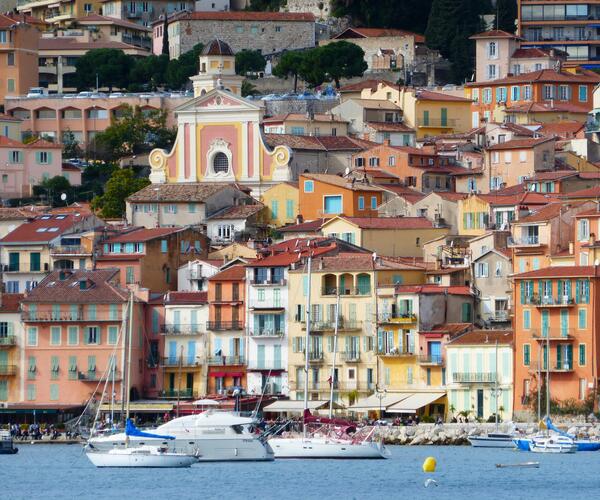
{"x":457,"y":434}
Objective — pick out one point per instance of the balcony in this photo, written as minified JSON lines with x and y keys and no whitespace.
{"x":180,"y":361}
{"x":337,"y":386}
{"x":430,"y":360}
{"x":549,"y":301}
{"x":180,"y":329}
{"x":8,"y":370}
{"x":48,"y":317}
{"x":553,"y":334}
{"x":96,"y":376}
{"x":343,"y":325}
{"x":499,"y":317}
{"x":350,"y":356}
{"x":524,"y":241}
{"x":436,"y":122}
{"x":181,"y":394}
{"x":8,"y":341}
{"x":316,"y":357}
{"x":565,"y":367}
{"x":69,"y":250}
{"x":226,"y":360}
{"x":395,"y":352}
{"x":266,"y":365}
{"x":280,"y":282}
{"x":25,"y":267}
{"x":473,"y":378}
{"x":223,"y":325}
{"x":138,"y":41}
{"x":332,"y":291}
{"x":397,"y":319}
{"x":266,"y":333}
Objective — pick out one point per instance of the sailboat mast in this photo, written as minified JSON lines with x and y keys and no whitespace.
{"x":129,"y":343}
{"x":335,"y":342}
{"x":496,"y":387}
{"x":307,"y":339}
{"x":547,"y":374}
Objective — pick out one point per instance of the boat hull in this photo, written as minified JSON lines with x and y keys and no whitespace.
{"x":206,"y":450}
{"x":524,"y":444}
{"x":491,"y":442}
{"x":552,"y":445}
{"x":107,"y":459}
{"x":326,"y":448}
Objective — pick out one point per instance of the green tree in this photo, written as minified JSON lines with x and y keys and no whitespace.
{"x":53,"y":188}
{"x":341,"y":60}
{"x":71,"y":147}
{"x":266,"y":5}
{"x":165,"y":40}
{"x":248,"y":89}
{"x":112,"y":66}
{"x":149,"y":72}
{"x":134,"y":132}
{"x":506,"y":14}
{"x":178,"y":71}
{"x":249,"y":61}
{"x":289,"y":65}
{"x":122,"y":184}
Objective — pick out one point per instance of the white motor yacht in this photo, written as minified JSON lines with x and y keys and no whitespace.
{"x":492,"y":440}
{"x":323,"y":447}
{"x":209,"y":436}
{"x":141,"y":456}
{"x":552,"y":444}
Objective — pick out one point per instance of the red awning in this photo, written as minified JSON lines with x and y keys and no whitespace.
{"x":217,"y":374}
{"x":234,"y":374}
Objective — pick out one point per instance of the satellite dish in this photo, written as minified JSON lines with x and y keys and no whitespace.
{"x":63,"y":196}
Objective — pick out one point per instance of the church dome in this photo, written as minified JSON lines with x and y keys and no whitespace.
{"x":217,"y":48}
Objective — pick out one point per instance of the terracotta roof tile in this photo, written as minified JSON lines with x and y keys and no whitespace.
{"x":316,"y":117}
{"x":8,"y":118}
{"x":451,"y":329}
{"x":365,"y":84}
{"x":519,"y":144}
{"x":217,"y":48}
{"x":564,"y":130}
{"x":178,"y":192}
{"x":431,"y":288}
{"x":142,"y":234}
{"x":530,"y":53}
{"x":493,"y":34}
{"x":233,"y":273}
{"x":67,"y":43}
{"x":6,"y":142}
{"x":341,"y":182}
{"x":67,"y":291}
{"x":304,"y":227}
{"x":553,"y":176}
{"x":10,"y":302}
{"x":390,"y":222}
{"x":544,"y":75}
{"x":318,"y":143}
{"x":43,"y":144}
{"x":389,"y":127}
{"x":592,"y":192}
{"x":378,"y":33}
{"x":346,"y":261}
{"x":241,"y":16}
{"x":238,"y":212}
{"x":547,"y":107}
{"x":186,"y":298}
{"x":98,"y":19}
{"x":22,"y":213}
{"x":42,"y":229}
{"x":428,"y":95}
{"x":560,"y":272}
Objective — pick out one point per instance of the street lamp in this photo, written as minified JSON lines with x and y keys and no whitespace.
{"x":380,"y":396}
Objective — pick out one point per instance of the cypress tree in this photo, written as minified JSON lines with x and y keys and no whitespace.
{"x":506,"y":14}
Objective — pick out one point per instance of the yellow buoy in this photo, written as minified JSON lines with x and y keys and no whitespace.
{"x":429,"y":464}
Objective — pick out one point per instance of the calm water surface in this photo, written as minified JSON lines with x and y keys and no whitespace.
{"x":59,"y":471}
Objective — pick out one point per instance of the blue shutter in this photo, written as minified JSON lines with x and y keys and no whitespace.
{"x":191,"y":352}
{"x":522,"y":292}
{"x":155,"y":320}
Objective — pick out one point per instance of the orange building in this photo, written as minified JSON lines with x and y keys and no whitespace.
{"x":419,"y":168}
{"x":556,"y":329}
{"x":18,"y":55}
{"x":73,"y":336}
{"x":151,"y":257}
{"x":323,"y":195}
{"x":567,"y":93}
{"x":227,"y":354}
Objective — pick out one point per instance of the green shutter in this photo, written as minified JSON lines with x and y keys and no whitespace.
{"x":49,"y":155}
{"x":581,"y":354}
{"x":522,"y":292}
{"x":526,"y":354}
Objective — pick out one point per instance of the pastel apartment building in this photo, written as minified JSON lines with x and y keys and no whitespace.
{"x":145,"y":13}
{"x":23,"y":166}
{"x":18,"y":55}
{"x":11,"y":346}
{"x":151,"y":257}
{"x":74,"y":338}
{"x":61,"y":14}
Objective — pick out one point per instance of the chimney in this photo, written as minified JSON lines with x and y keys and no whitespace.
{"x":299,"y":219}
{"x":321,"y":264}
{"x":386,"y":142}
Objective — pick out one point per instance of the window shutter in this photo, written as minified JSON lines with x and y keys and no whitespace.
{"x":49,"y":155}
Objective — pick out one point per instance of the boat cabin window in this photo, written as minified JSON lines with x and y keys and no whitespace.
{"x":238,"y":429}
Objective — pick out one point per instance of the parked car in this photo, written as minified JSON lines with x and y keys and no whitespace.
{"x":37,"y":92}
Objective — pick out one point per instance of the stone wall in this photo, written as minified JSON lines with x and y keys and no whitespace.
{"x":321,"y":9}
{"x":284,"y":106}
{"x":266,"y":36}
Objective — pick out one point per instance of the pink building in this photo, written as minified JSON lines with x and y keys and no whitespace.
{"x":22,"y":166}
{"x":73,"y":330}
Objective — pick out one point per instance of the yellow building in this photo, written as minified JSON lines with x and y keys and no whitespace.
{"x":391,"y":236}
{"x":428,"y":113}
{"x":473,"y":216}
{"x":355,"y":276}
{"x":59,"y":13}
{"x":282,"y":203}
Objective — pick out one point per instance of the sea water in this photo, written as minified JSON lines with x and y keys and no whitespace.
{"x":64,"y":472}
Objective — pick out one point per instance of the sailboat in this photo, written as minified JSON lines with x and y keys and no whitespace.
{"x":326,"y":437}
{"x":137,"y":456}
{"x":560,"y":442}
{"x":494,"y":439}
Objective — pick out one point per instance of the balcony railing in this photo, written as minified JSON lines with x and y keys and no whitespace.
{"x":343,"y":324}
{"x":360,"y":290}
{"x":226,"y":360}
{"x":316,"y":357}
{"x":182,"y":361}
{"x":69,"y":250}
{"x":553,"y":334}
{"x":473,"y":378}
{"x":25,"y":267}
{"x":431,"y":360}
{"x":266,"y":365}
{"x":8,"y":340}
{"x":48,"y":317}
{"x":398,"y":318}
{"x":500,"y":316}
{"x":280,"y":282}
{"x":8,"y":369}
{"x":180,"y":329}
{"x":350,"y":356}
{"x":265,"y":332}
{"x":182,"y":393}
{"x":223,"y":325}
{"x":436,"y":122}
{"x":96,"y":375}
{"x":395,"y":352}
{"x":531,"y":240}
{"x":337,"y":386}
{"x":549,"y":301}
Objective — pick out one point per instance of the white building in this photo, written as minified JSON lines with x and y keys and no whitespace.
{"x":211,"y":5}
{"x":193,"y":276}
{"x":268,"y":316}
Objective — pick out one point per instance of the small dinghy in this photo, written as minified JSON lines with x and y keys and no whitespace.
{"x":524,"y":465}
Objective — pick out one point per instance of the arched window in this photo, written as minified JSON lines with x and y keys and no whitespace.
{"x":220,"y":163}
